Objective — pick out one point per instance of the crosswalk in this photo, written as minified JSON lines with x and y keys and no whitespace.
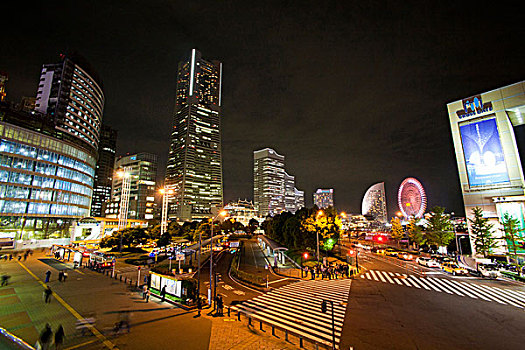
{"x":297,"y":308}
{"x":450,"y":286}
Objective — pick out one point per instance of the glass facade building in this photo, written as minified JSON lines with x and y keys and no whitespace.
{"x":374,"y":203}
{"x":105,"y":170}
{"x":70,"y":94}
{"x":273,"y":189}
{"x":194,"y":168}
{"x":45,"y":183}
{"x":324,"y":198}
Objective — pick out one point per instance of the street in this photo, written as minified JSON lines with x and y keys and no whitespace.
{"x":427,"y":309}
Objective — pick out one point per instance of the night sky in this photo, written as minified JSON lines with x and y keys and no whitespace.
{"x":351,"y":92}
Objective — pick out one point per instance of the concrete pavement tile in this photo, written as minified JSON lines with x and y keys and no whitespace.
{"x":7,"y":291}
{"x":10,"y":300}
{"x":29,"y":334}
{"x":14,"y":319}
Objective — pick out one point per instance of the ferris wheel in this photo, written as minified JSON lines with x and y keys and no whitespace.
{"x":411,"y":198}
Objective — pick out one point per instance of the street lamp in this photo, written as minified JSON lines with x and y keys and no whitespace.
{"x":164,"y":217}
{"x":319,"y":214}
{"x":222,"y":213}
{"x":125,"y":175}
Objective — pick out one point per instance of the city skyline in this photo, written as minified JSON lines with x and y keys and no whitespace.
{"x":375,"y":86}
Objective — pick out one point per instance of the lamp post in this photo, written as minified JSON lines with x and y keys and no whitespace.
{"x":222,"y":213}
{"x":125,"y":175}
{"x":459,"y":244}
{"x":319,"y":214}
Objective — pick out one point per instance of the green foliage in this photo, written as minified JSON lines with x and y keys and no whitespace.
{"x":439,"y":228}
{"x":415,"y":232}
{"x":131,"y":236}
{"x":397,"y":232}
{"x":481,"y":232}
{"x":511,"y":229}
{"x":252,"y":226}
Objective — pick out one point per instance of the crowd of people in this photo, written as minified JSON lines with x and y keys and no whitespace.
{"x":329,"y":271}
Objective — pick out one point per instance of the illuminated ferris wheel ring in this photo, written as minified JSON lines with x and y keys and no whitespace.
{"x":411,"y":198}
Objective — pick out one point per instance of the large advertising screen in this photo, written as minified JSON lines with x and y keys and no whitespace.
{"x":484,"y":156}
{"x":515,"y":211}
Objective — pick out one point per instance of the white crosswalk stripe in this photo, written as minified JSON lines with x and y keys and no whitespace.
{"x":452,"y":287}
{"x":297,"y":308}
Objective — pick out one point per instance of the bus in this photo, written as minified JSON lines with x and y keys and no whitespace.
{"x":101,"y":260}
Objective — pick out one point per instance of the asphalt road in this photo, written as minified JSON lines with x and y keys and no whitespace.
{"x":448,"y":313}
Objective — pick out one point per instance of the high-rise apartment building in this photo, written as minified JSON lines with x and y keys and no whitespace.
{"x":141,"y":168}
{"x":70,"y":93}
{"x":273,"y":189}
{"x":104,"y":172}
{"x":324,"y":198}
{"x":194,"y":169}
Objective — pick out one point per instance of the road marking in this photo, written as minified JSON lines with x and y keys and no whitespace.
{"x":239,"y":292}
{"x":227,"y":287}
{"x":373,"y":275}
{"x":81,"y":344}
{"x":282,"y":279}
{"x":93,"y":330}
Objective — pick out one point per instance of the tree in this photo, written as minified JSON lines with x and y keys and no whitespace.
{"x":326,"y":222}
{"x":252,"y":225}
{"x":439,"y":228}
{"x":482,"y":232}
{"x":415,"y":232}
{"x":511,"y":228}
{"x":397,"y":229}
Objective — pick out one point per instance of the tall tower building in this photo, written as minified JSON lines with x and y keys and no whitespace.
{"x":374,"y":203}
{"x":70,"y":93}
{"x":105,"y":169}
{"x":142,"y":171}
{"x":194,"y":169}
{"x":324,"y":198}
{"x":273,"y":189}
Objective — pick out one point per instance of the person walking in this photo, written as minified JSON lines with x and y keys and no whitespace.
{"x":47,"y":295}
{"x":5,"y":279}
{"x":220,"y":305}
{"x":59,"y":337}
{"x":147,"y":295}
{"x":46,"y":337}
{"x":144,"y":291}
{"x":64,"y":276}
{"x":48,"y":276}
{"x":60,"y":274}
{"x":163,"y":293}
{"x":199,"y":306}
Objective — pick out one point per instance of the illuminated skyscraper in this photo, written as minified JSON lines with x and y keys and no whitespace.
{"x":324,"y":198}
{"x":194,"y":169}
{"x":70,"y":93}
{"x":273,"y":189}
{"x":374,"y":203}
{"x":105,"y":170}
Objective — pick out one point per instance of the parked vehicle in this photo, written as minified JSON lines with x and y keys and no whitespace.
{"x":489,"y":270}
{"x":391,"y":252}
{"x":405,"y":256}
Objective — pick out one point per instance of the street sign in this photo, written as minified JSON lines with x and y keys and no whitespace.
{"x":180,"y":257}
{"x":234,"y":244}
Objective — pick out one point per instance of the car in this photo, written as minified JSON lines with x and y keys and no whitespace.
{"x":489,"y":270}
{"x":428,"y":262}
{"x":378,"y":251}
{"x":405,"y":256}
{"x":391,"y":252}
{"x":453,"y":268}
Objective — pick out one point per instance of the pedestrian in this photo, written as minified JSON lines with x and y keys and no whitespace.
{"x":199,"y":306}
{"x":220,"y":305}
{"x":163,"y":293}
{"x":147,"y":295}
{"x":60,"y":274}
{"x":124,"y":320}
{"x":5,"y":279}
{"x":64,"y":276}
{"x":144,"y":291}
{"x":46,"y":337}
{"x":47,"y":295}
{"x":59,"y":337}
{"x":48,"y":275}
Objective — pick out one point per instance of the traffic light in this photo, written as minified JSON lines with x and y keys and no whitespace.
{"x":380,"y":238}
{"x":350,"y":252}
{"x":305,"y":256}
{"x":323,"y":306}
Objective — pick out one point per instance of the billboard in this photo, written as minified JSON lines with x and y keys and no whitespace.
{"x":484,"y":156}
{"x":515,"y":210}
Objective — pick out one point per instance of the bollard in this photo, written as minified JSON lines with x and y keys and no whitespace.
{"x":316,"y":346}
{"x":120,"y":278}
{"x":125,"y":280}
{"x":286,"y":335}
{"x":301,"y":342}
{"x":260,"y":326}
{"x":249,"y":321}
{"x":273,"y":331}
{"x":229,"y":312}
{"x":238,"y":316}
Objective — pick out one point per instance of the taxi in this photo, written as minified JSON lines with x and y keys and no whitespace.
{"x":453,"y":268}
